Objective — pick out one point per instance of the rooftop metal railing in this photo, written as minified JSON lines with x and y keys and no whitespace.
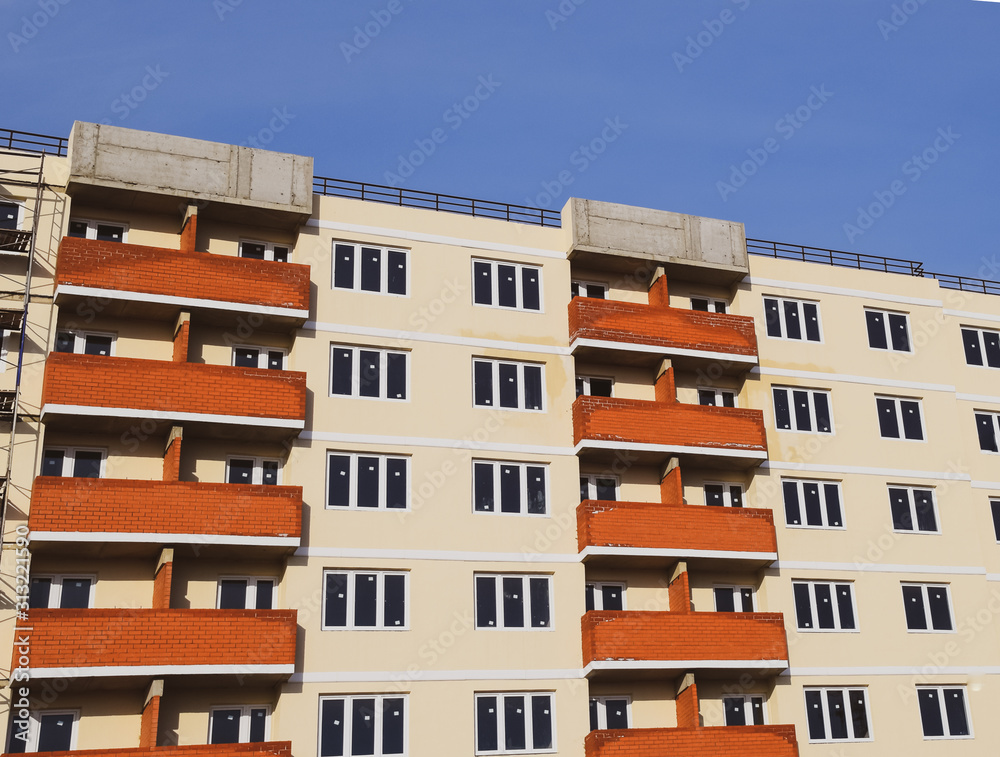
{"x":26,"y":141}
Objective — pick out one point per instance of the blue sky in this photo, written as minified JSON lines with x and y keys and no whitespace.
{"x":865,"y":125}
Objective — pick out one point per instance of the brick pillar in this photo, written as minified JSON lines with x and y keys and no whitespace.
{"x":189,"y":228}
{"x":172,"y":455}
{"x":687,"y":703}
{"x":665,"y":388}
{"x":679,"y":589}
{"x":671,"y":490}
{"x":182,"y":334}
{"x":163,"y":579}
{"x":659,"y":296}
{"x":150,"y":723}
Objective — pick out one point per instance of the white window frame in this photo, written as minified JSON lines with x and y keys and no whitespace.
{"x":268,"y":249}
{"x":994,"y":417}
{"x":737,"y":592}
{"x":602,"y":709}
{"x":713,"y":304}
{"x":251,"y":595}
{"x":599,"y":596}
{"x":80,"y":340}
{"x":592,"y":485}
{"x":802,"y":318}
{"x":522,"y":497}
{"x":525,"y":601}
{"x":383,"y":372}
{"x":383,"y":474}
{"x":495,"y":380}
{"x":912,"y":503}
{"x":20,"y":204}
{"x":349,"y":721}
{"x":578,"y":288}
{"x":34,"y":727}
{"x":244,"y":709}
{"x":518,"y":287}
{"x":57,"y":579}
{"x":69,"y":458}
{"x":888,"y":332}
{"x":812,"y":409}
{"x":981,"y":339}
{"x":849,"y":720}
{"x":262,"y":355}
{"x":898,"y":412}
{"x":352,"y":574}
{"x":92,"y":224}
{"x":727,"y":493}
{"x":800,"y":484}
{"x":814,"y":607}
{"x":528,"y":724}
{"x":586,"y":384}
{"x":940,"y":691}
{"x":747,"y":700}
{"x":719,"y":396}
{"x":383,"y":268}
{"x":258,"y":468}
{"x":925,"y":604}
{"x":995,"y":516}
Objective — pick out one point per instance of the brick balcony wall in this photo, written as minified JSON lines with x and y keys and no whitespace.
{"x":164,"y":507}
{"x":260,"y":749}
{"x":670,"y":328}
{"x":642,"y":635}
{"x":756,"y":740}
{"x":652,"y":525}
{"x":199,"y":275}
{"x":112,"y":637}
{"x":165,"y":386}
{"x":615,"y":419}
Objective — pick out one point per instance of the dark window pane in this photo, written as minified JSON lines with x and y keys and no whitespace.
{"x":792,"y":325}
{"x":343,"y":267}
{"x":720,"y":306}
{"x":746,"y":600}
{"x":800,"y":400}
{"x":280,"y":254}
{"x":601,"y":387}
{"x":823,"y":423}
{"x":992,"y":340}
{"x":541,"y":722}
{"x":109,"y":232}
{"x":833,"y":512}
{"x":395,"y":483}
{"x":876,"y":330}
{"x":513,"y":603}
{"x":252,"y":250}
{"x":482,"y":474}
{"x":940,"y":608}
{"x":607,"y":489}
{"x":772,"y":318}
{"x":52,"y":462}
{"x":530,"y":290}
{"x":225,"y":727}
{"x":782,"y":414}
{"x":611,"y":597}
{"x":899,"y":504}
{"x":41,"y":588}
{"x":597,"y":291}
{"x":508,"y":385}
{"x":838,"y":714}
{"x":65,"y":341}
{"x":790,"y":494}
{"x":536,"y":490}
{"x":258,"y":724}
{"x":240,"y":472}
{"x":814,"y":715}
{"x":540,"y":612}
{"x":275,"y":360}
{"x":483,"y":381}
{"x":269,"y":472}
{"x":803,"y":606}
{"x":97,"y":345}
{"x":265,"y":595}
{"x":368,"y":481}
{"x":233,"y":594}
{"x":397,"y":272}
{"x":371,"y":269}
{"x":728,"y":399}
{"x":514,"y":723}
{"x":76,"y":229}
{"x":706,"y":397}
{"x":724,"y":600}
{"x":811,"y":313}
{"x":845,"y":606}
{"x":734,"y":711}
{"x":581,"y":386}
{"x":594,"y":722}
{"x":930,"y":712}
{"x":924,"y":501}
{"x":954,"y":705}
{"x":859,"y":713}
{"x":995,"y":508}
{"x":365,"y":607}
{"x":332,"y":728}
{"x":590,"y":590}
{"x":888,"y":424}
{"x":486,"y":602}
{"x":510,"y":489}
{"x":814,"y":512}
{"x":970,"y":340}
{"x":899,"y":332}
{"x":584,"y":488}
{"x":392,"y":725}
{"x":714,"y":495}
{"x":913,"y":606}
{"x":987,"y":434}
{"x":757,"y":710}
{"x":700,"y":304}
{"x":482,"y":276}
{"x":507,"y":286}
{"x":335,"y":613}
{"x":87,"y":464}
{"x":533,"y":387}
{"x":369,"y":363}
{"x":343,"y":363}
{"x":8,"y":216}
{"x":395,"y":601}
{"x":339,"y":481}
{"x":912,"y":427}
{"x":363,"y":726}
{"x":824,"y":605}
{"x":75,"y":594}
{"x":486,"y":724}
{"x":245,"y":357}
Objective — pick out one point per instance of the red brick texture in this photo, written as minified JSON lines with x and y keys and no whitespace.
{"x":679,"y":593}
{"x":659,"y":293}
{"x":181,"y":340}
{"x":177,"y":273}
{"x":615,"y":419}
{"x":164,"y":507}
{"x":260,"y":749}
{"x":755,"y":740}
{"x":669,"y":328}
{"x":165,"y":386}
{"x":687,"y":707}
{"x":644,"y":635}
{"x":150,"y":723}
{"x":113,"y":637}
{"x":162,"y":584}
{"x":650,"y":525}
{"x":671,"y":488}
{"x":665,"y":388}
{"x":172,"y":460}
{"x":189,"y":233}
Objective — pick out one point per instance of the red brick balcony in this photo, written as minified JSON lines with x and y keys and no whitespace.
{"x":635,"y":529}
{"x":196,"y":279}
{"x":76,"y":643}
{"x":164,"y":511}
{"x":756,"y":740}
{"x":641,"y":640}
{"x":93,"y":386}
{"x":260,"y":749}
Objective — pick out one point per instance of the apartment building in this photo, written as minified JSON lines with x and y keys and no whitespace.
{"x":293,"y":469}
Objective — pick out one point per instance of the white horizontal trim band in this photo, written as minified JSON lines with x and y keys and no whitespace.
{"x":405,"y":676}
{"x":668,"y":449}
{"x":845,"y":378}
{"x":184,"y":302}
{"x":150,"y":538}
{"x":607,"y":344}
{"x":798,"y":286}
{"x":993,"y":577}
{"x":416,"y":236}
{"x":898,"y":670}
{"x":651,"y":552}
{"x":435,"y":554}
{"x":986,"y":485}
{"x":992,"y":317}
{"x":401,"y":338}
{"x":869,"y":567}
{"x":978,"y":398}
{"x":422,"y":441}
{"x":597,"y":665}
{"x":864,"y":470}
{"x":160,"y":670}
{"x":128,"y":412}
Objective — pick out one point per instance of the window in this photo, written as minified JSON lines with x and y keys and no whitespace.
{"x":892,"y":410}
{"x":724,"y":495}
{"x":358,"y":599}
{"x":376,"y":482}
{"x":245,"y":593}
{"x":518,"y":488}
{"x":369,"y":269}
{"x":252,"y":470}
{"x":514,"y":386}
{"x":369,"y":725}
{"x":506,"y":285}
{"x":792,"y":319}
{"x":707,"y":304}
{"x":733,"y":598}
{"x":802,"y":410}
{"x":85,"y":343}
{"x":836,"y":714}
{"x":913,"y":509}
{"x":595,"y":289}
{"x":73,"y":462}
{"x":271,"y":358}
{"x":995,"y":508}
{"x":717,"y":397}
{"x":927,"y":607}
{"x":988,"y":427}
{"x":264,"y":251}
{"x":982,"y":347}
{"x":62,"y":592}
{"x":812,"y":504}
{"x":605,"y":596}
{"x":887,"y":331}
{"x":610,"y":712}
{"x":47,"y":732}
{"x":106,"y":232}
{"x":744,"y":710}
{"x":510,"y":723}
{"x":368,"y":373}
{"x":944,"y":713}
{"x":11,"y":215}
{"x":824,"y":606}
{"x":598,"y":486}
{"x":241,"y":724}
{"x":513,"y":601}
{"x":594,"y":386}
